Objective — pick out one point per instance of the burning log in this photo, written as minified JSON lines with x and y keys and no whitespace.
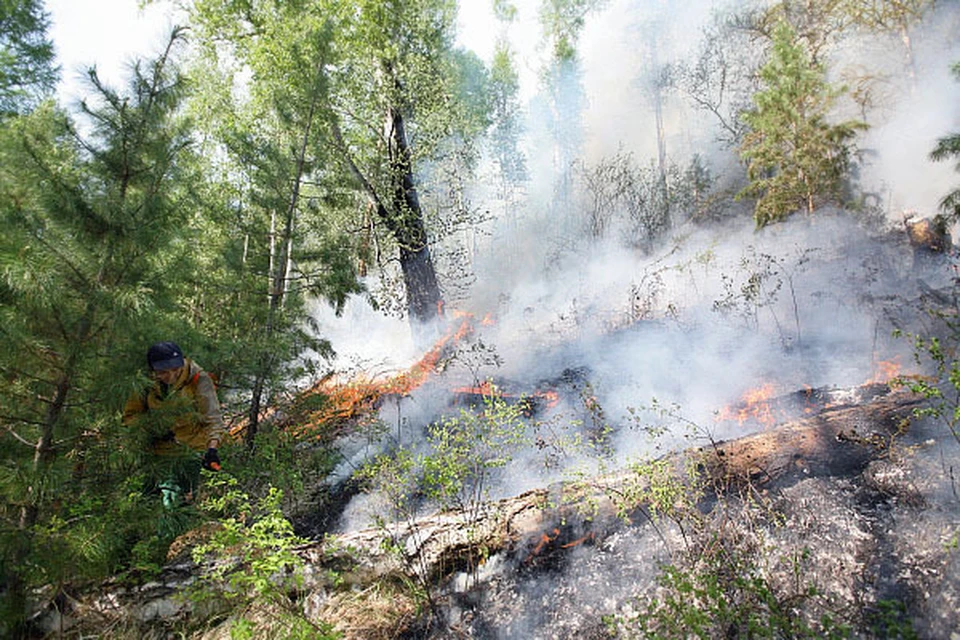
{"x":530,"y":404}
{"x":762,"y":406}
{"x":856,"y":427}
{"x":928,"y":235}
{"x":331,"y":401}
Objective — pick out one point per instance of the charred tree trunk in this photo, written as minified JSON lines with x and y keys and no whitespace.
{"x":407,"y":225}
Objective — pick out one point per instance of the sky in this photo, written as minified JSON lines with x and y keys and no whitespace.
{"x":108,"y":34}
{"x":113,"y":33}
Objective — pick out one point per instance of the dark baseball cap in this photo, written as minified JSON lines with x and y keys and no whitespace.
{"x":164,"y":355}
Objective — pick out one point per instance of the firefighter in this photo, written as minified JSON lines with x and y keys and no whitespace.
{"x":176,"y":418}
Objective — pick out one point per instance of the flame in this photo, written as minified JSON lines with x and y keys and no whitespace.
{"x":809,"y":404}
{"x":754,"y":405}
{"x":885,"y":370}
{"x":545,"y":539}
{"x":361,"y":395}
{"x":551,"y":397}
{"x":578,"y":541}
{"x":553,"y":535}
{"x":487,"y":389}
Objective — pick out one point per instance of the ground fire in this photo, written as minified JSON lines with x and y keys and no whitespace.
{"x":766,"y":407}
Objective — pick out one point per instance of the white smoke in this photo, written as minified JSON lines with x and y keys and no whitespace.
{"x":712,"y":311}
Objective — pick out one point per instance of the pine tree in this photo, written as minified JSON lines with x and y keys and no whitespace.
{"x":27,"y":71}
{"x":796,"y":159}
{"x":95,"y":233}
{"x":949,"y":147}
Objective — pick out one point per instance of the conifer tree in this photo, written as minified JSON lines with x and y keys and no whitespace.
{"x":27,"y":71}
{"x":796,"y":160}
{"x":949,"y":147}
{"x":95,"y":232}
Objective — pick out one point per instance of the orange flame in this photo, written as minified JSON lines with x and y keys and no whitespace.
{"x":361,"y":396}
{"x":488,"y":390}
{"x":885,"y":370}
{"x":754,"y":405}
{"x":551,"y":397}
{"x":578,"y":541}
{"x":553,"y":535}
{"x":485,"y":388}
{"x":544,"y":541}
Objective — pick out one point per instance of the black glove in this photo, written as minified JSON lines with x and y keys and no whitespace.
{"x":211,"y":461}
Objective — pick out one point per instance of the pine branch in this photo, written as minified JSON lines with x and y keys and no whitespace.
{"x":17,"y":436}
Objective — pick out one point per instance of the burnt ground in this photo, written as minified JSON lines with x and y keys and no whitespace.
{"x":875,"y":551}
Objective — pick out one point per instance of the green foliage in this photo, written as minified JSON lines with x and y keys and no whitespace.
{"x":27,"y":71}
{"x":467,"y":449}
{"x":256,"y":535}
{"x":894,"y":16}
{"x":463,"y":453}
{"x":278,"y":213}
{"x":506,"y":118}
{"x":795,"y":158}
{"x":726,"y":595}
{"x":277,"y":460}
{"x":946,"y":148}
{"x":455,"y":471}
{"x":504,"y":10}
{"x":943,"y":390}
{"x":96,"y":229}
{"x":254,"y":567}
{"x":562,"y":22}
{"x":890,"y":620}
{"x":327,"y":80}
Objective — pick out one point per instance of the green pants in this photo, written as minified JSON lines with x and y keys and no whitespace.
{"x":176,"y":480}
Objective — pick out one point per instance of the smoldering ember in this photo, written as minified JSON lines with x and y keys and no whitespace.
{"x":522,"y":319}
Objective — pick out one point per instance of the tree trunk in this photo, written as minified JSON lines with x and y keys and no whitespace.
{"x":280,"y":265}
{"x":419,"y":276}
{"x":44,"y":455}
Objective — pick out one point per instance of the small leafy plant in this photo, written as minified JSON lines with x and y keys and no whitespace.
{"x":252,"y":566}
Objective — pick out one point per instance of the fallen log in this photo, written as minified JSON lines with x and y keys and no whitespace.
{"x":838,"y":441}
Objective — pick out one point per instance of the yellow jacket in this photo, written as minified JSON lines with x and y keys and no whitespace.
{"x":192,"y":404}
